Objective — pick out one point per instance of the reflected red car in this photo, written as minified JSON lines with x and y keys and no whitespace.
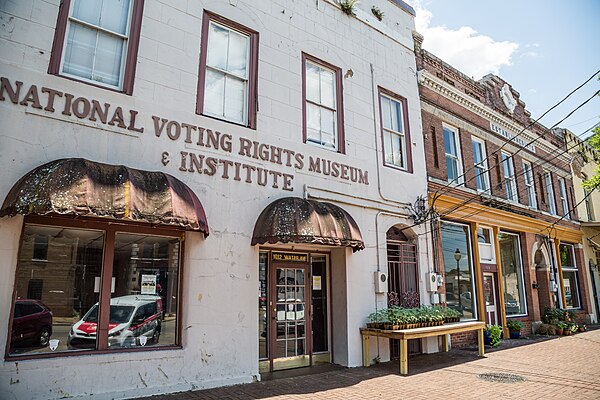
{"x":32,"y":323}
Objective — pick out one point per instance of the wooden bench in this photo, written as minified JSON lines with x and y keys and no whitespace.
{"x":418,"y":333}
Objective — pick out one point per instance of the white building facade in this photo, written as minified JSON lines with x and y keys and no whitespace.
{"x":195,"y":193}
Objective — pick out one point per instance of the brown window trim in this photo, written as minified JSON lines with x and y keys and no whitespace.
{"x":252,"y":67}
{"x":110,"y":227}
{"x":132,"y":46}
{"x":341,"y":148}
{"x":407,"y":143}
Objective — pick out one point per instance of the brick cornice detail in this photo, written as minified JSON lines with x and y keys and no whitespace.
{"x":451,"y":93}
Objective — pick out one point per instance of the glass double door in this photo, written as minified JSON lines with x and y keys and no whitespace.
{"x":290,"y":316}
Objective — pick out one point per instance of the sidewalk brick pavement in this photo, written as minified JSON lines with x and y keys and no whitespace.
{"x":558,"y":368}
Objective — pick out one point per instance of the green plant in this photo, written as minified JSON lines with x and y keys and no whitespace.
{"x":574,"y":327}
{"x":561,"y":325}
{"x":377,"y":12}
{"x":494,"y":332}
{"x":514,"y":325}
{"x":348,"y":6}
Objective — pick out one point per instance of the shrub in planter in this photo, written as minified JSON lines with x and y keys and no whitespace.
{"x":514,"y":327}
{"x":492,"y":334}
{"x":561,"y":327}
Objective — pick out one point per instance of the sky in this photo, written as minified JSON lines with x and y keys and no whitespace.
{"x":544,"y":49}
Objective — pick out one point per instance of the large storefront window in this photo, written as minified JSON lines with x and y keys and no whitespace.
{"x":570,"y":281}
{"x":64,"y":304}
{"x":512,"y":274}
{"x":458,"y":268}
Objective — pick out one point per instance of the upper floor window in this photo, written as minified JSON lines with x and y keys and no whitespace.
{"x":570,"y":275}
{"x":322,"y":104}
{"x":396,"y":138}
{"x":480,"y":164}
{"x":453,"y":158}
{"x":96,"y":42}
{"x":550,"y":193}
{"x":529,"y":184}
{"x":509,"y":177}
{"x":562,"y":187}
{"x":228,"y":68}
{"x":485,"y":239}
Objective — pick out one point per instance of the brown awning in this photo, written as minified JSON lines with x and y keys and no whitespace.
{"x":80,"y":187}
{"x":296,"y":220}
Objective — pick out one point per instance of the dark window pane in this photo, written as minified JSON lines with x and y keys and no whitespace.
{"x":144,"y":300}
{"x":52,"y":296}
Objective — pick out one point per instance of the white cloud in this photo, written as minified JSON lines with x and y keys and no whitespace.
{"x":474,"y":54}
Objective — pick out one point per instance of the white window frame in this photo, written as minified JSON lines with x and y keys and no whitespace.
{"x":508,"y":168}
{"x":245,"y":79}
{"x":488,"y":246}
{"x":335,"y":111}
{"x":562,"y":190}
{"x":125,"y":37}
{"x":523,"y":289}
{"x":481,"y":168}
{"x":575,"y":270}
{"x":550,"y":192}
{"x":457,"y":158}
{"x":395,"y":135}
{"x":530,"y":184}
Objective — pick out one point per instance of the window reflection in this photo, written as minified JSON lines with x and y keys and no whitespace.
{"x":57,"y":282}
{"x":143,"y":305}
{"x":460,"y":288}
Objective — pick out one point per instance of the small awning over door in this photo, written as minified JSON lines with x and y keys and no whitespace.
{"x":297,"y":220}
{"x":75,"y":186}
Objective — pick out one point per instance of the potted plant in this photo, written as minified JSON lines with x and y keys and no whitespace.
{"x":492,"y":334}
{"x":560,"y":328}
{"x":515,"y":327}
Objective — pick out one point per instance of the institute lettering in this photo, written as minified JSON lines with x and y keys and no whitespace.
{"x":197,"y":140}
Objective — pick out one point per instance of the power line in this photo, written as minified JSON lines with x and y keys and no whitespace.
{"x":437,"y":194}
{"x":455,"y":208}
{"x":528,"y":126}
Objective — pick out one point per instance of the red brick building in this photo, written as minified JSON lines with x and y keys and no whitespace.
{"x":506,"y":240}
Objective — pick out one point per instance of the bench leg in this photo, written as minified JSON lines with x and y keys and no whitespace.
{"x":481,"y":343}
{"x":445,"y":339}
{"x":403,"y":357}
{"x":366,"y":352}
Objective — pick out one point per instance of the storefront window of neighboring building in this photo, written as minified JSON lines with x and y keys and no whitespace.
{"x":570,"y":280}
{"x":480,"y":161}
{"x":485,"y":239}
{"x":512,"y":274}
{"x":509,"y":177}
{"x":550,"y":193}
{"x":458,"y":268}
{"x":323,"y":123}
{"x":453,"y":158}
{"x":228,"y":65}
{"x":96,"y":42}
{"x":393,"y":123}
{"x":563,"y":197}
{"x":123,"y":284}
{"x":529,"y":184}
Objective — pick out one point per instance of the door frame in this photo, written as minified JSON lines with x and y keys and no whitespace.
{"x":274,"y":264}
{"x":494,"y":295}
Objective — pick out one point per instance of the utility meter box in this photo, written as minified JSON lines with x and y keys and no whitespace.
{"x":381,"y":282}
{"x":432,"y":282}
